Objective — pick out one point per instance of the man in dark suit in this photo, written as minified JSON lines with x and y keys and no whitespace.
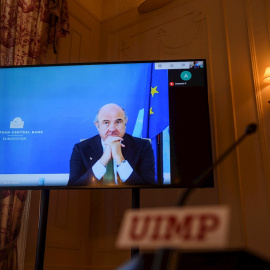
{"x":131,"y":159}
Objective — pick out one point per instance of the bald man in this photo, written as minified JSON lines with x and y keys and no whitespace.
{"x":131,"y":158}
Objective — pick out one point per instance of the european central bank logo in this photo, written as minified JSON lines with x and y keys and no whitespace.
{"x":17,"y":123}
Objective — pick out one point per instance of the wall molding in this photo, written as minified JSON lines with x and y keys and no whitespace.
{"x":258,"y":98}
{"x":243,"y":237}
{"x":163,"y":47}
{"x":78,"y":44}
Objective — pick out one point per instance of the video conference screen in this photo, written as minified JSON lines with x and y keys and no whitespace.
{"x":105,"y":124}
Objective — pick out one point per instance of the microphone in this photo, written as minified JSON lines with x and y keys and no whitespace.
{"x":251,"y":128}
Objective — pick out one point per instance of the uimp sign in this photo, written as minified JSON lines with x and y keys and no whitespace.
{"x":185,"y":227}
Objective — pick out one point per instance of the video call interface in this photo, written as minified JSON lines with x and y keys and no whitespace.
{"x":46,"y":110}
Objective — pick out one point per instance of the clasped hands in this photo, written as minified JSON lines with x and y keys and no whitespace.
{"x":113,"y":145}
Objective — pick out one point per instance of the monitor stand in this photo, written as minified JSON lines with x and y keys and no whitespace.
{"x":135,"y":205}
{"x":42,"y":228}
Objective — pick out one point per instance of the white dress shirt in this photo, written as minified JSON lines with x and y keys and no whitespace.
{"x":124,"y":170}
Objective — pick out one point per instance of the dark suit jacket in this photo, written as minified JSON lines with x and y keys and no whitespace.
{"x":138,"y":152}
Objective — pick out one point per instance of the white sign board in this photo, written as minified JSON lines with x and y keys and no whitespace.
{"x":175,"y":227}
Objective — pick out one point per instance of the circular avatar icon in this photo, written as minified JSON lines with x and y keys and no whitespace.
{"x":185,"y":75}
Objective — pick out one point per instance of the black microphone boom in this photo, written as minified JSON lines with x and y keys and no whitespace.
{"x":250,"y":129}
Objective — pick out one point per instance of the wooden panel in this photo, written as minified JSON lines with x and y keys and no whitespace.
{"x":106,"y":212}
{"x":64,"y":221}
{"x":78,"y":46}
{"x":82,"y":45}
{"x":182,"y":34}
{"x":235,"y":41}
{"x":255,"y":167}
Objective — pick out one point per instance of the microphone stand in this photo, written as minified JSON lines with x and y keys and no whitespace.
{"x":161,"y":258}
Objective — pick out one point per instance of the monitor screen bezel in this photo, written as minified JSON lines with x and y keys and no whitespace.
{"x":166,"y":186}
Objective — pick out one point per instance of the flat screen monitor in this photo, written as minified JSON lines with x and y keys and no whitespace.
{"x":60,"y":125}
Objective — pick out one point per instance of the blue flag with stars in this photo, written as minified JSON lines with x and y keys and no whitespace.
{"x":156,"y":118}
{"x":158,"y":114}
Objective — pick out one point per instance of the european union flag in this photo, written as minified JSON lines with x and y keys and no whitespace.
{"x":156,"y":118}
{"x":158,"y":114}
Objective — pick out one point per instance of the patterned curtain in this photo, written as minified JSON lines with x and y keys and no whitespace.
{"x":12,"y":203}
{"x":27,"y":28}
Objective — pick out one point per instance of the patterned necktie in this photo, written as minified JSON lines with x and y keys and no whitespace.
{"x":108,"y":177}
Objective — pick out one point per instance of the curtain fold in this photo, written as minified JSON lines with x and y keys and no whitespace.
{"x":12,"y":203}
{"x":27,"y":28}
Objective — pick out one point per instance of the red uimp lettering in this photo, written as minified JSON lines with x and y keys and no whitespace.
{"x":207,"y":223}
{"x":135,"y":233}
{"x":157,"y":227}
{"x":182,"y":228}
